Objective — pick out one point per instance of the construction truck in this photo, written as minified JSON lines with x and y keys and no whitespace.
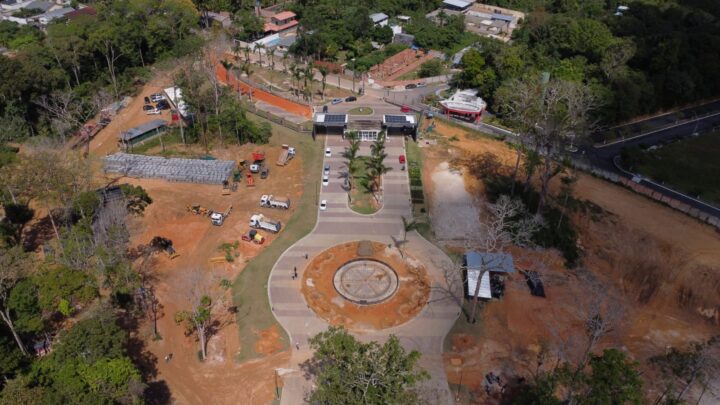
{"x":254,"y":237}
{"x":270,"y":201}
{"x":164,"y":244}
{"x":226,"y":188}
{"x":250,"y":180}
{"x":197,"y":209}
{"x":258,"y":162}
{"x":218,"y":218}
{"x":259,"y":221}
{"x":286,"y":154}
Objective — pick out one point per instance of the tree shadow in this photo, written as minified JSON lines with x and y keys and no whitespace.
{"x":38,"y":232}
{"x":158,"y":393}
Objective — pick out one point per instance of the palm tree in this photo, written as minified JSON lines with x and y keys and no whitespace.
{"x":408,"y":225}
{"x":351,"y":154}
{"x":323,"y":72}
{"x":376,"y":169}
{"x":272,"y":66}
{"x":228,"y":66}
{"x":246,"y":51}
{"x":308,"y":74}
{"x":247,"y":69}
{"x":260,"y":48}
{"x":297,"y":75}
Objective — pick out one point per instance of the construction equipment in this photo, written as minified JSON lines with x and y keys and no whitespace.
{"x":261,"y":222}
{"x":258,"y":161}
{"x":197,"y":209}
{"x":270,"y":201}
{"x":226,"y":188}
{"x":286,"y":154}
{"x":254,"y":237}
{"x":234,"y":186}
{"x":218,"y":218}
{"x":250,"y":180}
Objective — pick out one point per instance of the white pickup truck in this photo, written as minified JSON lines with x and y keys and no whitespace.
{"x":259,"y":221}
{"x":270,"y":201}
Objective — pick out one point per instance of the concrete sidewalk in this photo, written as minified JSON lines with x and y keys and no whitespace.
{"x":339,"y":224}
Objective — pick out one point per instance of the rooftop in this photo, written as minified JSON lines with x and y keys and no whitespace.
{"x":285,"y":15}
{"x":270,"y":27}
{"x":462,"y":4}
{"x":378,"y":17}
{"x":495,"y":262}
{"x":140,"y":130}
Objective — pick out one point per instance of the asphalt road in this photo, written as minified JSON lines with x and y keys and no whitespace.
{"x":603,"y":157}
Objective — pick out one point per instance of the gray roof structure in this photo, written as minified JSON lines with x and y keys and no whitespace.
{"x":40,"y":5}
{"x":378,"y":17}
{"x":494,"y":262}
{"x":141,"y":130}
{"x":460,"y":4}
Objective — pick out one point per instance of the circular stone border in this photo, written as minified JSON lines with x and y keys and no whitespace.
{"x":342,"y":285}
{"x":321,"y":296}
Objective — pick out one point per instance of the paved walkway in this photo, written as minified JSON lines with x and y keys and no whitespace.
{"x":339,"y":224}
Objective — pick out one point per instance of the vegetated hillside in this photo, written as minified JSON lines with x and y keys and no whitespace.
{"x":653,"y":56}
{"x":56,"y":80}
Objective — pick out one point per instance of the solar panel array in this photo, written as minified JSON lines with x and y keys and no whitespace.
{"x":396,"y":119}
{"x":335,"y":118}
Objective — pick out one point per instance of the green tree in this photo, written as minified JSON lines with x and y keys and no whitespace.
{"x":612,"y":380}
{"x":433,"y":67}
{"x":350,"y":154}
{"x":137,"y":198}
{"x":60,"y":284}
{"x":350,"y":372}
{"x":476,"y":73}
{"x":23,"y":302}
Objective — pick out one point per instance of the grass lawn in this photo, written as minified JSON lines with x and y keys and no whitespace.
{"x":250,"y":288}
{"x":691,"y":166}
{"x":362,"y":199}
{"x":360,"y":111}
{"x":172,"y":142}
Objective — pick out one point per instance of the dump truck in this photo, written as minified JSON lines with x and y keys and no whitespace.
{"x":286,"y":154}
{"x":270,"y":201}
{"x":258,"y":161}
{"x":218,"y":218}
{"x":259,"y":221}
{"x":253,"y":236}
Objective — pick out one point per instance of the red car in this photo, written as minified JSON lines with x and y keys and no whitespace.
{"x":402,"y":159}
{"x":405,"y":109}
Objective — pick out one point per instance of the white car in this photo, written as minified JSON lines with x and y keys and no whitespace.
{"x":323,"y":205}
{"x":156,"y":97}
{"x":326,"y":170}
{"x":152,"y":111}
{"x":328,"y":152}
{"x":326,"y":180}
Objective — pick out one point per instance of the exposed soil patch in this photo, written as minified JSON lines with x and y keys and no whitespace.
{"x":322,"y":296}
{"x":454,"y":216}
{"x":268,"y":341}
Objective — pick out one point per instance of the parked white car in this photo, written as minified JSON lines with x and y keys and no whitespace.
{"x":328,"y":152}
{"x":326,"y":180}
{"x":326,"y":170}
{"x":323,"y":205}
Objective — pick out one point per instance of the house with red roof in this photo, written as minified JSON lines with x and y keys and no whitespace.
{"x":280,"y":22}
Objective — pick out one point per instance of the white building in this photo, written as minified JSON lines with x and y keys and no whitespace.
{"x":464,"y":104}
{"x":379,"y":19}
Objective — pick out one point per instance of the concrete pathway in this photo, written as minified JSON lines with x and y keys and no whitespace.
{"x":339,"y":224}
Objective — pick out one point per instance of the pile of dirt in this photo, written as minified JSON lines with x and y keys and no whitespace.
{"x":321,"y":295}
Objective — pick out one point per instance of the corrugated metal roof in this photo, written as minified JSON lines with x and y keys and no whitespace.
{"x":495,"y":262}
{"x":377,"y":17}
{"x":142,"y":129}
{"x":472,"y":279}
{"x":457,"y":3}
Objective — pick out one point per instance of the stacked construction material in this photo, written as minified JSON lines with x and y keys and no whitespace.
{"x":173,"y":169}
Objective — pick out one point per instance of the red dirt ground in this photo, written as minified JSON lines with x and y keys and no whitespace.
{"x":658,"y":267}
{"x":323,"y":298}
{"x":219,"y":380}
{"x":257,"y":94}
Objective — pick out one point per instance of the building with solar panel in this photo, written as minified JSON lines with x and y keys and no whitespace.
{"x":367,"y":128}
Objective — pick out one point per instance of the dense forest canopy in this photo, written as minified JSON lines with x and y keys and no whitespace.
{"x":652,"y":57}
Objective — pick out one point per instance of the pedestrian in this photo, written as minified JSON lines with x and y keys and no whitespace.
{"x":297,"y":345}
{"x":295,"y":270}
{"x":306,"y":256}
{"x":168,"y":357}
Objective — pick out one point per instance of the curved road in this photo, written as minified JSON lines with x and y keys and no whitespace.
{"x":339,"y":224}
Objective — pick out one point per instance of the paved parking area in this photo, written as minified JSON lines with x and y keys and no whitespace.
{"x":340,"y":224}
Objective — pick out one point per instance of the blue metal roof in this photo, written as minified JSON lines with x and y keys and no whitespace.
{"x":494,"y":262}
